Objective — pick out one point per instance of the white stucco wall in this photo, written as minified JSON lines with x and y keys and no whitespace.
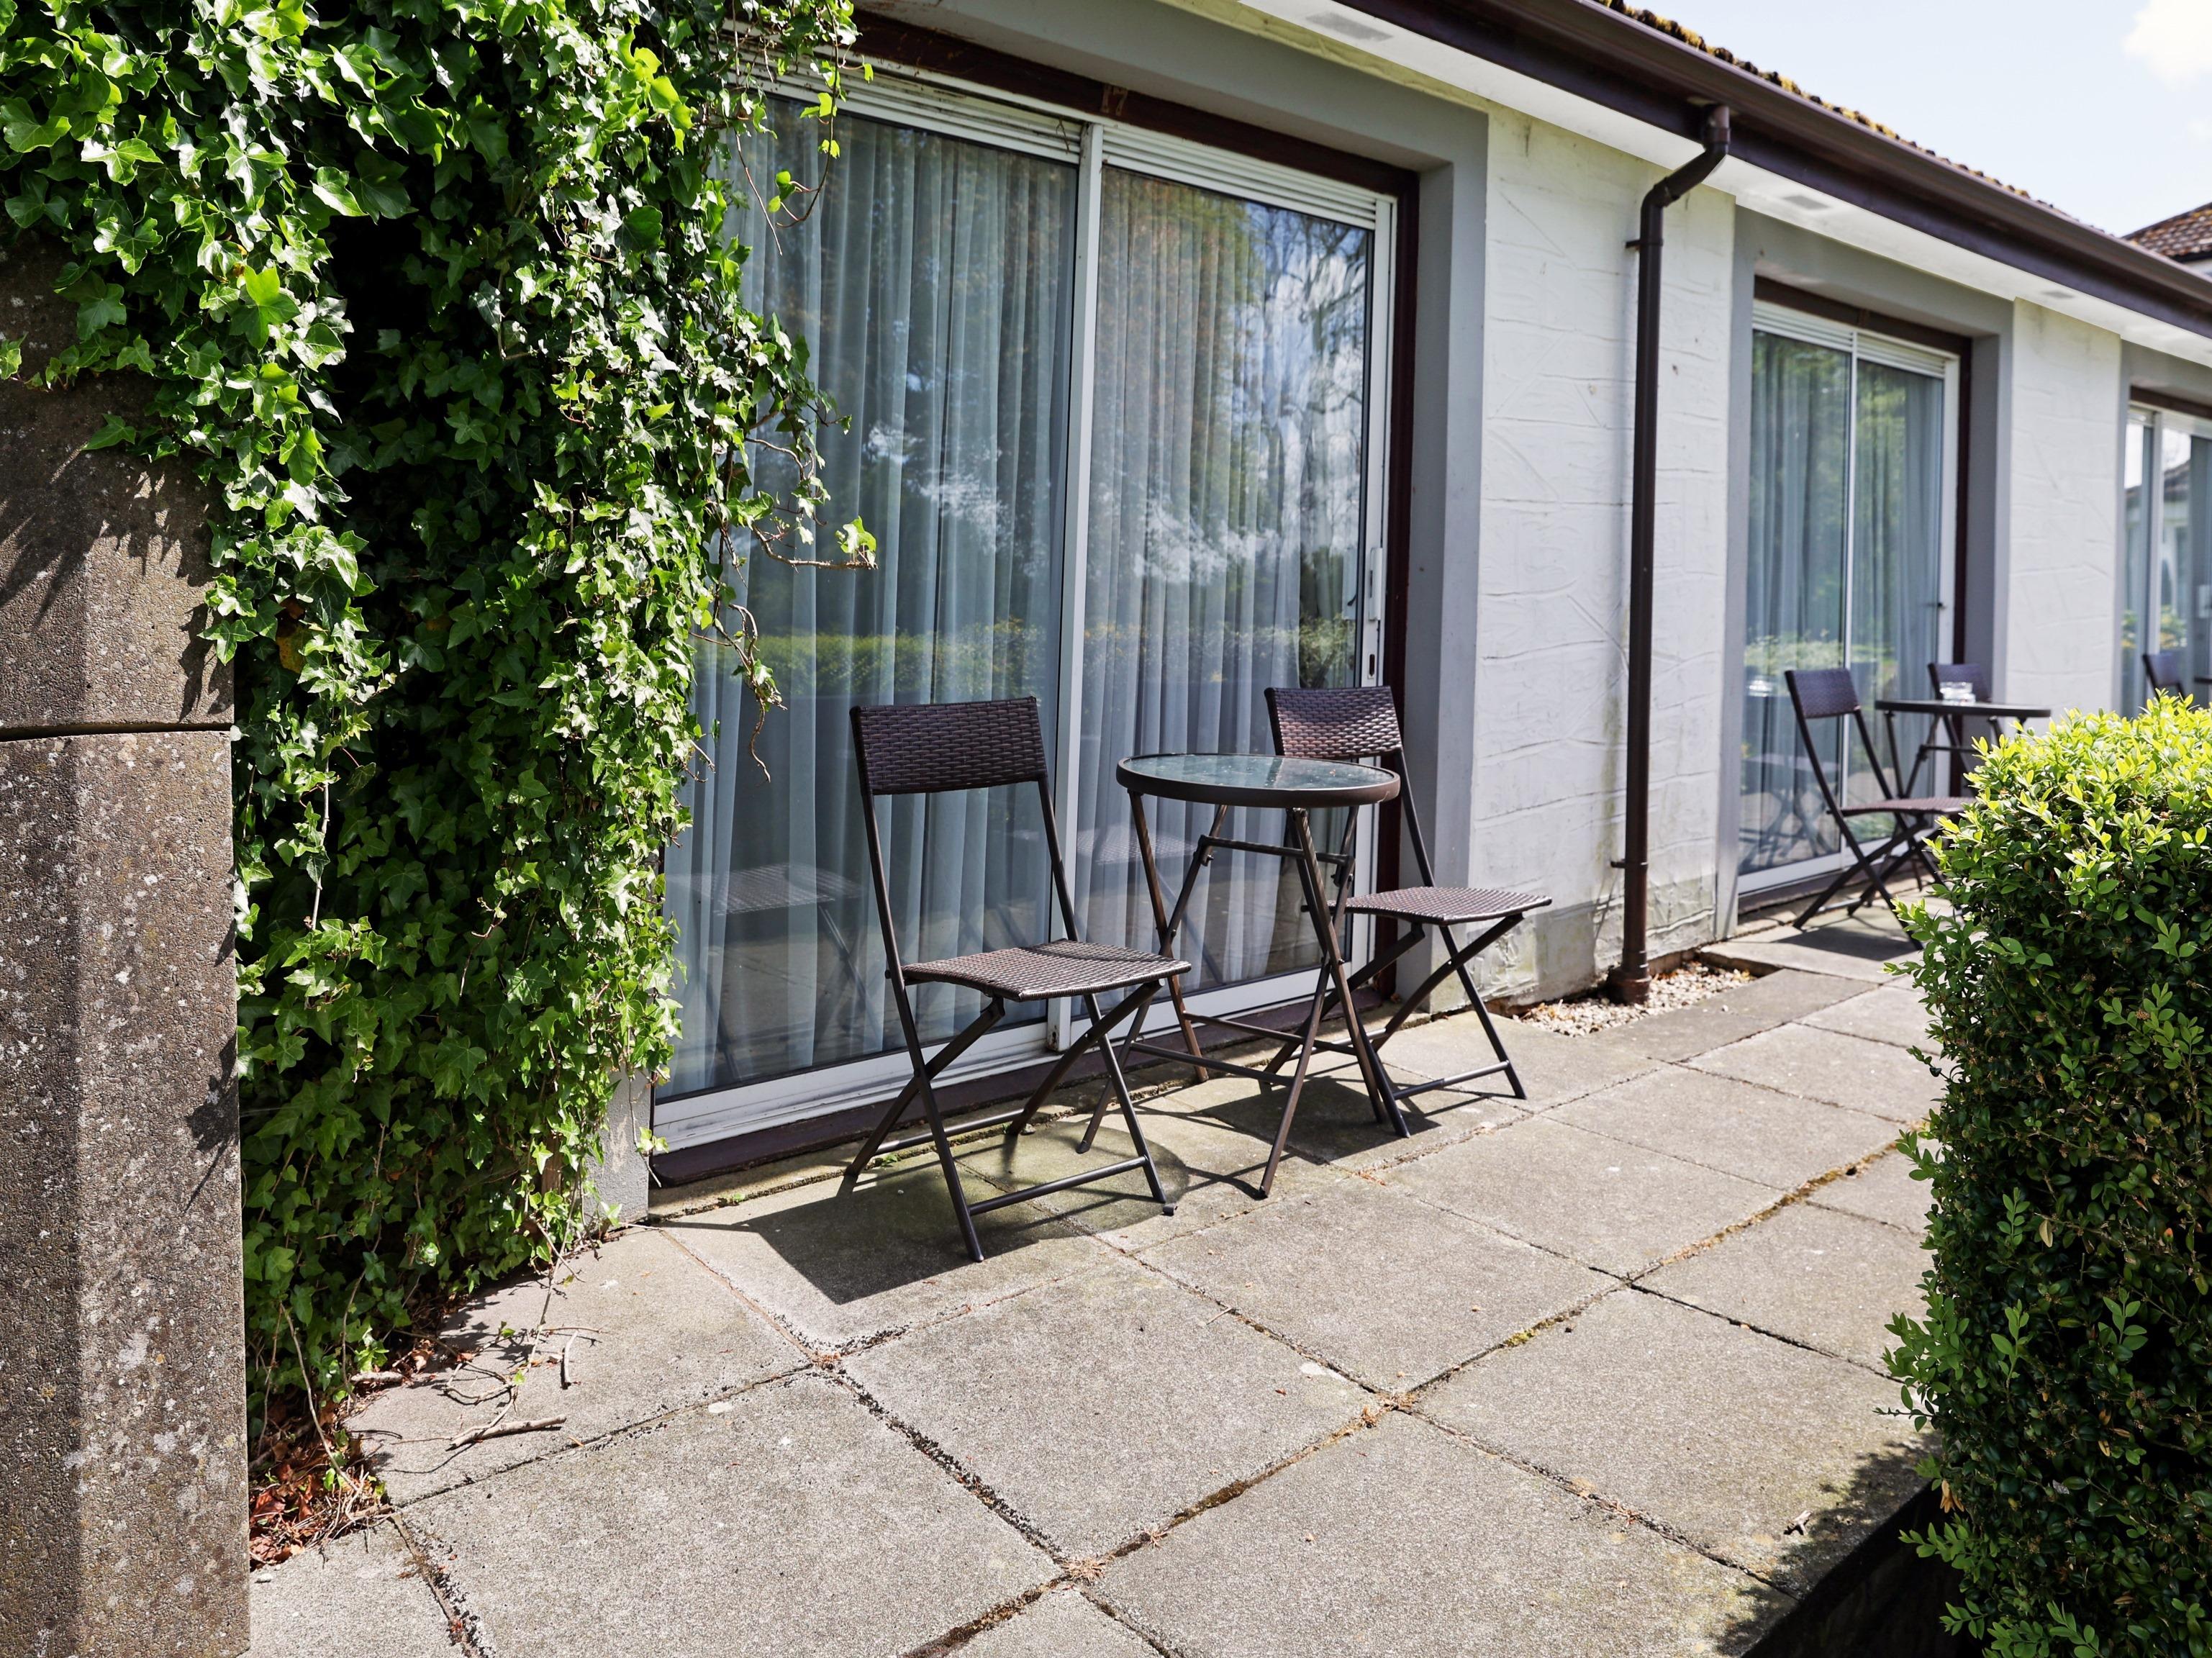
{"x":2058,"y":627}
{"x":1551,"y":668}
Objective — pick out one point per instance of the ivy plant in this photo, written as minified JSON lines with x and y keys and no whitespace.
{"x":437,"y":299}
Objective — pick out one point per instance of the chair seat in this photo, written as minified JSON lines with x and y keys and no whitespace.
{"x":1449,"y":906}
{"x":1925,"y":806}
{"x":1035,"y":973}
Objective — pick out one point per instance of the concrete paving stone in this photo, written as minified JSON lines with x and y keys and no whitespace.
{"x":1738,"y":1011}
{"x":1404,"y":1541}
{"x":1778,"y":1139}
{"x":1893,"y":1013}
{"x":1874,"y":1077}
{"x":794,"y":1522}
{"x":1106,"y":1404}
{"x":1343,"y":1134}
{"x":1388,"y":1289}
{"x":359,"y":1596}
{"x":1722,"y":1434}
{"x":1816,"y":1275}
{"x":843,"y":1268}
{"x":1607,"y":1204}
{"x":1210,"y":1170}
{"x":1060,"y":1624}
{"x":1552,"y":1067}
{"x":1881,"y":1188}
{"x":1860,"y":948}
{"x":646,"y":1330}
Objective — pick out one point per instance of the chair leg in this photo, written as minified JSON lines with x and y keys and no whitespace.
{"x":970,"y":1035}
{"x":951,"y":1173}
{"x":1120,"y":1085}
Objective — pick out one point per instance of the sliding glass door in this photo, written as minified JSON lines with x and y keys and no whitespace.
{"x":1852,"y":454}
{"x":1109,"y":411}
{"x":2166,"y":604}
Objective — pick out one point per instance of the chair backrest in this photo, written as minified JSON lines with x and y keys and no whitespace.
{"x":930,"y":748}
{"x":1349,"y":722}
{"x":1353,"y":722}
{"x":2163,"y":668}
{"x":1830,"y":694}
{"x":1940,"y":674}
{"x":935,"y":748}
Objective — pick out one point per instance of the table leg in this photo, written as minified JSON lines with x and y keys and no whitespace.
{"x":1167,"y":936}
{"x":1330,"y":933}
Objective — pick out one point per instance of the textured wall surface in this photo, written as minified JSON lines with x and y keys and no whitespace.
{"x":2061,"y":577}
{"x":121,"y":1365}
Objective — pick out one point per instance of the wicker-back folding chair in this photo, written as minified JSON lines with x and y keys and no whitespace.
{"x":1946,"y":679}
{"x":1820,"y":694}
{"x":939,"y":748}
{"x":2164,"y":671}
{"x":1360,"y":723}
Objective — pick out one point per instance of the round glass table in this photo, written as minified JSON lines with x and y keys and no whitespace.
{"x":1296,"y":788}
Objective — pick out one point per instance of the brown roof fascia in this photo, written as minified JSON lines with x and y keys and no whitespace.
{"x":1613,"y":58}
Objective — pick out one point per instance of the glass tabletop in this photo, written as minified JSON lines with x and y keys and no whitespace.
{"x":1974,"y":710}
{"x":1255,"y":780}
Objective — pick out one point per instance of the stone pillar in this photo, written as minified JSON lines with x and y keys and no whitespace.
{"x":123,"y":1486}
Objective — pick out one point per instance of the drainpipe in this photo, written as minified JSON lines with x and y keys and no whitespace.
{"x":1631,"y":980}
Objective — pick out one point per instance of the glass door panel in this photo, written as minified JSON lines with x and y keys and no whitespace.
{"x":1896,"y":552}
{"x":1796,"y":595}
{"x":2136,"y":560}
{"x":932,"y":279}
{"x":1227,"y":501}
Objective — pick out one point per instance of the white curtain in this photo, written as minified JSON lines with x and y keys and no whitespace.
{"x":1896,"y":552}
{"x":1226,"y":508}
{"x":932,"y":280}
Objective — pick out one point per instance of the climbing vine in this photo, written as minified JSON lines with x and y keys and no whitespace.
{"x":437,"y":299}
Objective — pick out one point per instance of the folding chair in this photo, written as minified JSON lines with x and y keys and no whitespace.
{"x":2164,"y":671}
{"x":1360,"y":723}
{"x":1829,"y":694}
{"x":940,"y":748}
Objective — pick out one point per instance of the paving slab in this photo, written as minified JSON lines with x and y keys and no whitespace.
{"x":1860,"y":948}
{"x":1388,"y":1289}
{"x":1874,"y":1077}
{"x":794,"y":1522}
{"x":360,"y":1596}
{"x":1779,"y":1139}
{"x":1726,"y":1435}
{"x":843,"y":1268}
{"x":1881,"y":1188}
{"x":1105,"y":1404}
{"x":1553,"y":1067}
{"x":1210,"y":1171}
{"x":1404,"y":1541}
{"x":1735,"y":1013}
{"x":646,"y":1330}
{"x":1893,"y":1013}
{"x":1817,"y":1275}
{"x":1602,"y":1202}
{"x":1059,"y":1624}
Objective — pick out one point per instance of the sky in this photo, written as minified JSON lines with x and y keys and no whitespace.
{"x":2102,"y":108}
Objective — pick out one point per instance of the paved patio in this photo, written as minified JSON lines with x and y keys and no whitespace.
{"x":1598,"y":1373}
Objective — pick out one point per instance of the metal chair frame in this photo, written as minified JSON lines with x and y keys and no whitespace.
{"x":2163,"y":671}
{"x":1360,"y":723}
{"x":946,"y":748}
{"x":1913,"y":818}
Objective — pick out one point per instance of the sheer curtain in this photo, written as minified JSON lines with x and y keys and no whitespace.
{"x":1800,"y":421}
{"x":1226,"y":509}
{"x":1897,"y":550}
{"x":932,"y":281}
{"x":2136,"y":574}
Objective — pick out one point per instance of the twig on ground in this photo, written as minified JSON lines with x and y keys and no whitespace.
{"x":501,"y":1429}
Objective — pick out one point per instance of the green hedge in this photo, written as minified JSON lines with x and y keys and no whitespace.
{"x":2066,"y":1356}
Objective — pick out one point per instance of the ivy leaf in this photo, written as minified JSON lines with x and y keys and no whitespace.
{"x":330,"y":189}
{"x":117,"y":430}
{"x":641,"y":226}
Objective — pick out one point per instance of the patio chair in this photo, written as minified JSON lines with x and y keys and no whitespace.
{"x":1954,"y":741}
{"x":1360,"y":723}
{"x":942,"y":748}
{"x":2164,"y":671}
{"x":1823,"y":694}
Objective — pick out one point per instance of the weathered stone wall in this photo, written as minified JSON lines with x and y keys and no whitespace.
{"x":122,"y":1383}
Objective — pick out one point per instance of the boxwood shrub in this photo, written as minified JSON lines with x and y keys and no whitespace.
{"x":2065,"y":1359}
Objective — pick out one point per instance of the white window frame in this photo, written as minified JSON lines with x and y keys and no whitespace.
{"x":1867,"y":345}
{"x":945,"y":104}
